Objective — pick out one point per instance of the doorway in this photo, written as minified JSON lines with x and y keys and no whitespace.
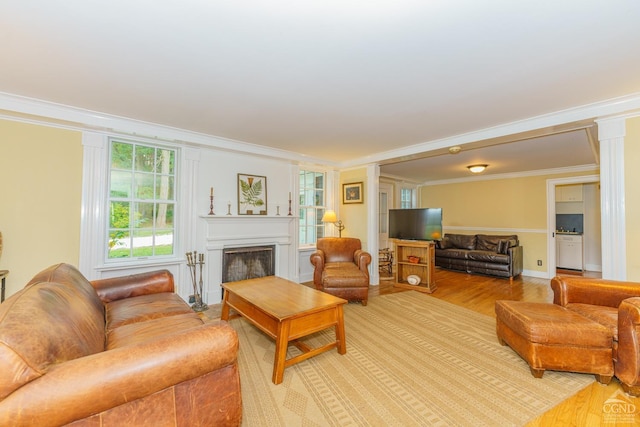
{"x":585,"y":234}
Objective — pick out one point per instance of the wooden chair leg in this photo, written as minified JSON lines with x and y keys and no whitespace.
{"x":603,"y":379}
{"x":537,"y":373}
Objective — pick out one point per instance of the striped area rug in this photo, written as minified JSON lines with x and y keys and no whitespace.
{"x":412,"y":360}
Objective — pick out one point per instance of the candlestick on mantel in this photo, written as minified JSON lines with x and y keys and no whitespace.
{"x":211,"y":203}
{"x":229,"y":208}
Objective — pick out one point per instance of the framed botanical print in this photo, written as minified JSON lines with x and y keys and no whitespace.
{"x":252,"y":194}
{"x":352,"y":193}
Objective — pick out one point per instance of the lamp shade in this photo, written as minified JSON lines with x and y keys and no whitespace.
{"x":329,"y":216}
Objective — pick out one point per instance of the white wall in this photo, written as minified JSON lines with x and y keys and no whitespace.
{"x":592,"y":227}
{"x":219,"y":169}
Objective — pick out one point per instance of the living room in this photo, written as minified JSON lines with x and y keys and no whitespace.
{"x":55,"y":152}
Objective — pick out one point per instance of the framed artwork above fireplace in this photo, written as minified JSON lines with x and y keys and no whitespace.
{"x":252,"y":194}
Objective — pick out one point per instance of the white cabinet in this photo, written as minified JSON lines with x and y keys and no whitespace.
{"x":569,"y":252}
{"x":569,"y":193}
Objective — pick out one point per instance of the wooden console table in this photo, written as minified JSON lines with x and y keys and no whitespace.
{"x":286,"y":311}
{"x":425,"y":252}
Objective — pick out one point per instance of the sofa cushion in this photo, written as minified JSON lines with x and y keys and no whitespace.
{"x":338,"y":249}
{"x":462,"y":241}
{"x":490,"y":243}
{"x":68,"y":326}
{"x":606,"y":316}
{"x":486,"y":256}
{"x":142,"y":308}
{"x":140,"y":332}
{"x":67,"y":274}
{"x":452,"y":253}
{"x":551,"y":324}
{"x":445,"y":243}
{"x":343,"y":274}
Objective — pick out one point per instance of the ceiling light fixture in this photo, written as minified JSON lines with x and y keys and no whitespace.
{"x":454,"y":150}
{"x":477,"y":168}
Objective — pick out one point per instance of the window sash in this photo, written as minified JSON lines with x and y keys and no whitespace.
{"x":141,"y":201}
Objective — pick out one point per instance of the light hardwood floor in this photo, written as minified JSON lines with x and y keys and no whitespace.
{"x":479,"y":293}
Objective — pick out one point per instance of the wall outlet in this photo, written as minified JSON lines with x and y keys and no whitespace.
{"x":540,"y":263}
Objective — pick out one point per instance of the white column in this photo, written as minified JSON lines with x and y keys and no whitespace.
{"x":92,"y":217}
{"x":611,"y":133}
{"x":373,"y":215}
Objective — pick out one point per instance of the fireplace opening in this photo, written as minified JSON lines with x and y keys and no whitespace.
{"x":248,"y":263}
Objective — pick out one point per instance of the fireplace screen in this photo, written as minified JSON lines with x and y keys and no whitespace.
{"x":247,"y":263}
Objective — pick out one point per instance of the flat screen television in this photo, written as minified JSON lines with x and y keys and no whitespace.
{"x":415,"y":224}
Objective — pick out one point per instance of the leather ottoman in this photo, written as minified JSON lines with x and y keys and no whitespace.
{"x":551,"y":337}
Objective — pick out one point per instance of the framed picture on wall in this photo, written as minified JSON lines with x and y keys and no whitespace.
{"x":252,"y":194}
{"x":352,"y":193}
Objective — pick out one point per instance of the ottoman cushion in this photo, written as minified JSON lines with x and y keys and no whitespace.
{"x":552,"y":324}
{"x":550,"y":337}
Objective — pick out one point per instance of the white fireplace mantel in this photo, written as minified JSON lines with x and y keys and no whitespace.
{"x":229,"y":231}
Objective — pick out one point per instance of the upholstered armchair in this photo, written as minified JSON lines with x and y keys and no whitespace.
{"x":342,"y":268}
{"x":614,"y":304}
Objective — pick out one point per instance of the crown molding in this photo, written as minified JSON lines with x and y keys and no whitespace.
{"x":35,"y":111}
{"x":624,"y":106}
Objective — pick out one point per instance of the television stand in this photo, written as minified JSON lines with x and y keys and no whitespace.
{"x":424,"y":267}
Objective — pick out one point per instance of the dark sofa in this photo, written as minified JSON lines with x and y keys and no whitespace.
{"x":480,"y":253}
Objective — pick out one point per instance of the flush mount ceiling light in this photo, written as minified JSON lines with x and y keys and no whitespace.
{"x":454,"y":150}
{"x":477,"y":168}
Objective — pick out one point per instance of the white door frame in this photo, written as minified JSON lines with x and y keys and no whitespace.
{"x":551,"y":214}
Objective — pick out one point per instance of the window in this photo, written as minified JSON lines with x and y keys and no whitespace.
{"x":142,"y":201}
{"x":407,"y":198}
{"x":312,"y":206}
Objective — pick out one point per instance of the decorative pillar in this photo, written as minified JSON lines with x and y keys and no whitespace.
{"x":611,"y":133}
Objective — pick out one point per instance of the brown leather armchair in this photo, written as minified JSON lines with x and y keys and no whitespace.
{"x":614,"y":304}
{"x":341,"y":268}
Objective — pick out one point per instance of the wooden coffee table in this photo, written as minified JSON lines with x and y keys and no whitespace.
{"x":286,"y":311}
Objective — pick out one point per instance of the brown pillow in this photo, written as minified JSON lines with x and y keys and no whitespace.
{"x":445,"y":243}
{"x":503,"y":247}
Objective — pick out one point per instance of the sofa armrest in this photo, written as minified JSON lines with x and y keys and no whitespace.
{"x":590,"y":290}
{"x":317,"y":259}
{"x":516,"y":260}
{"x":89,"y":385}
{"x":362,"y":260}
{"x":627,"y":365}
{"x":134,"y":285}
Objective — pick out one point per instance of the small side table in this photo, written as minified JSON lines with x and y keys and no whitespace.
{"x":3,"y":276}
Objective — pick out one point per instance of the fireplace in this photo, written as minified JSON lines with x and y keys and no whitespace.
{"x":248,"y":262}
{"x":228,"y":233}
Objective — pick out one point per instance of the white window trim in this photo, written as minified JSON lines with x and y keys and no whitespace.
{"x":93,"y":211}
{"x":329,"y":197}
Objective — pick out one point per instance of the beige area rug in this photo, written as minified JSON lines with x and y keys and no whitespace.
{"x":412,"y":360}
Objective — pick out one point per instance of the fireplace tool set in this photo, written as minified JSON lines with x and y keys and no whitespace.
{"x":195,"y":260}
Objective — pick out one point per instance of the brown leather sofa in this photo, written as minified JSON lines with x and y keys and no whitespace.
{"x":342,"y":268}
{"x":125,"y":351}
{"x":492,"y":255}
{"x":615,"y":305}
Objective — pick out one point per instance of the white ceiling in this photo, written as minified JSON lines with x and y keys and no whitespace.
{"x":340,"y":81}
